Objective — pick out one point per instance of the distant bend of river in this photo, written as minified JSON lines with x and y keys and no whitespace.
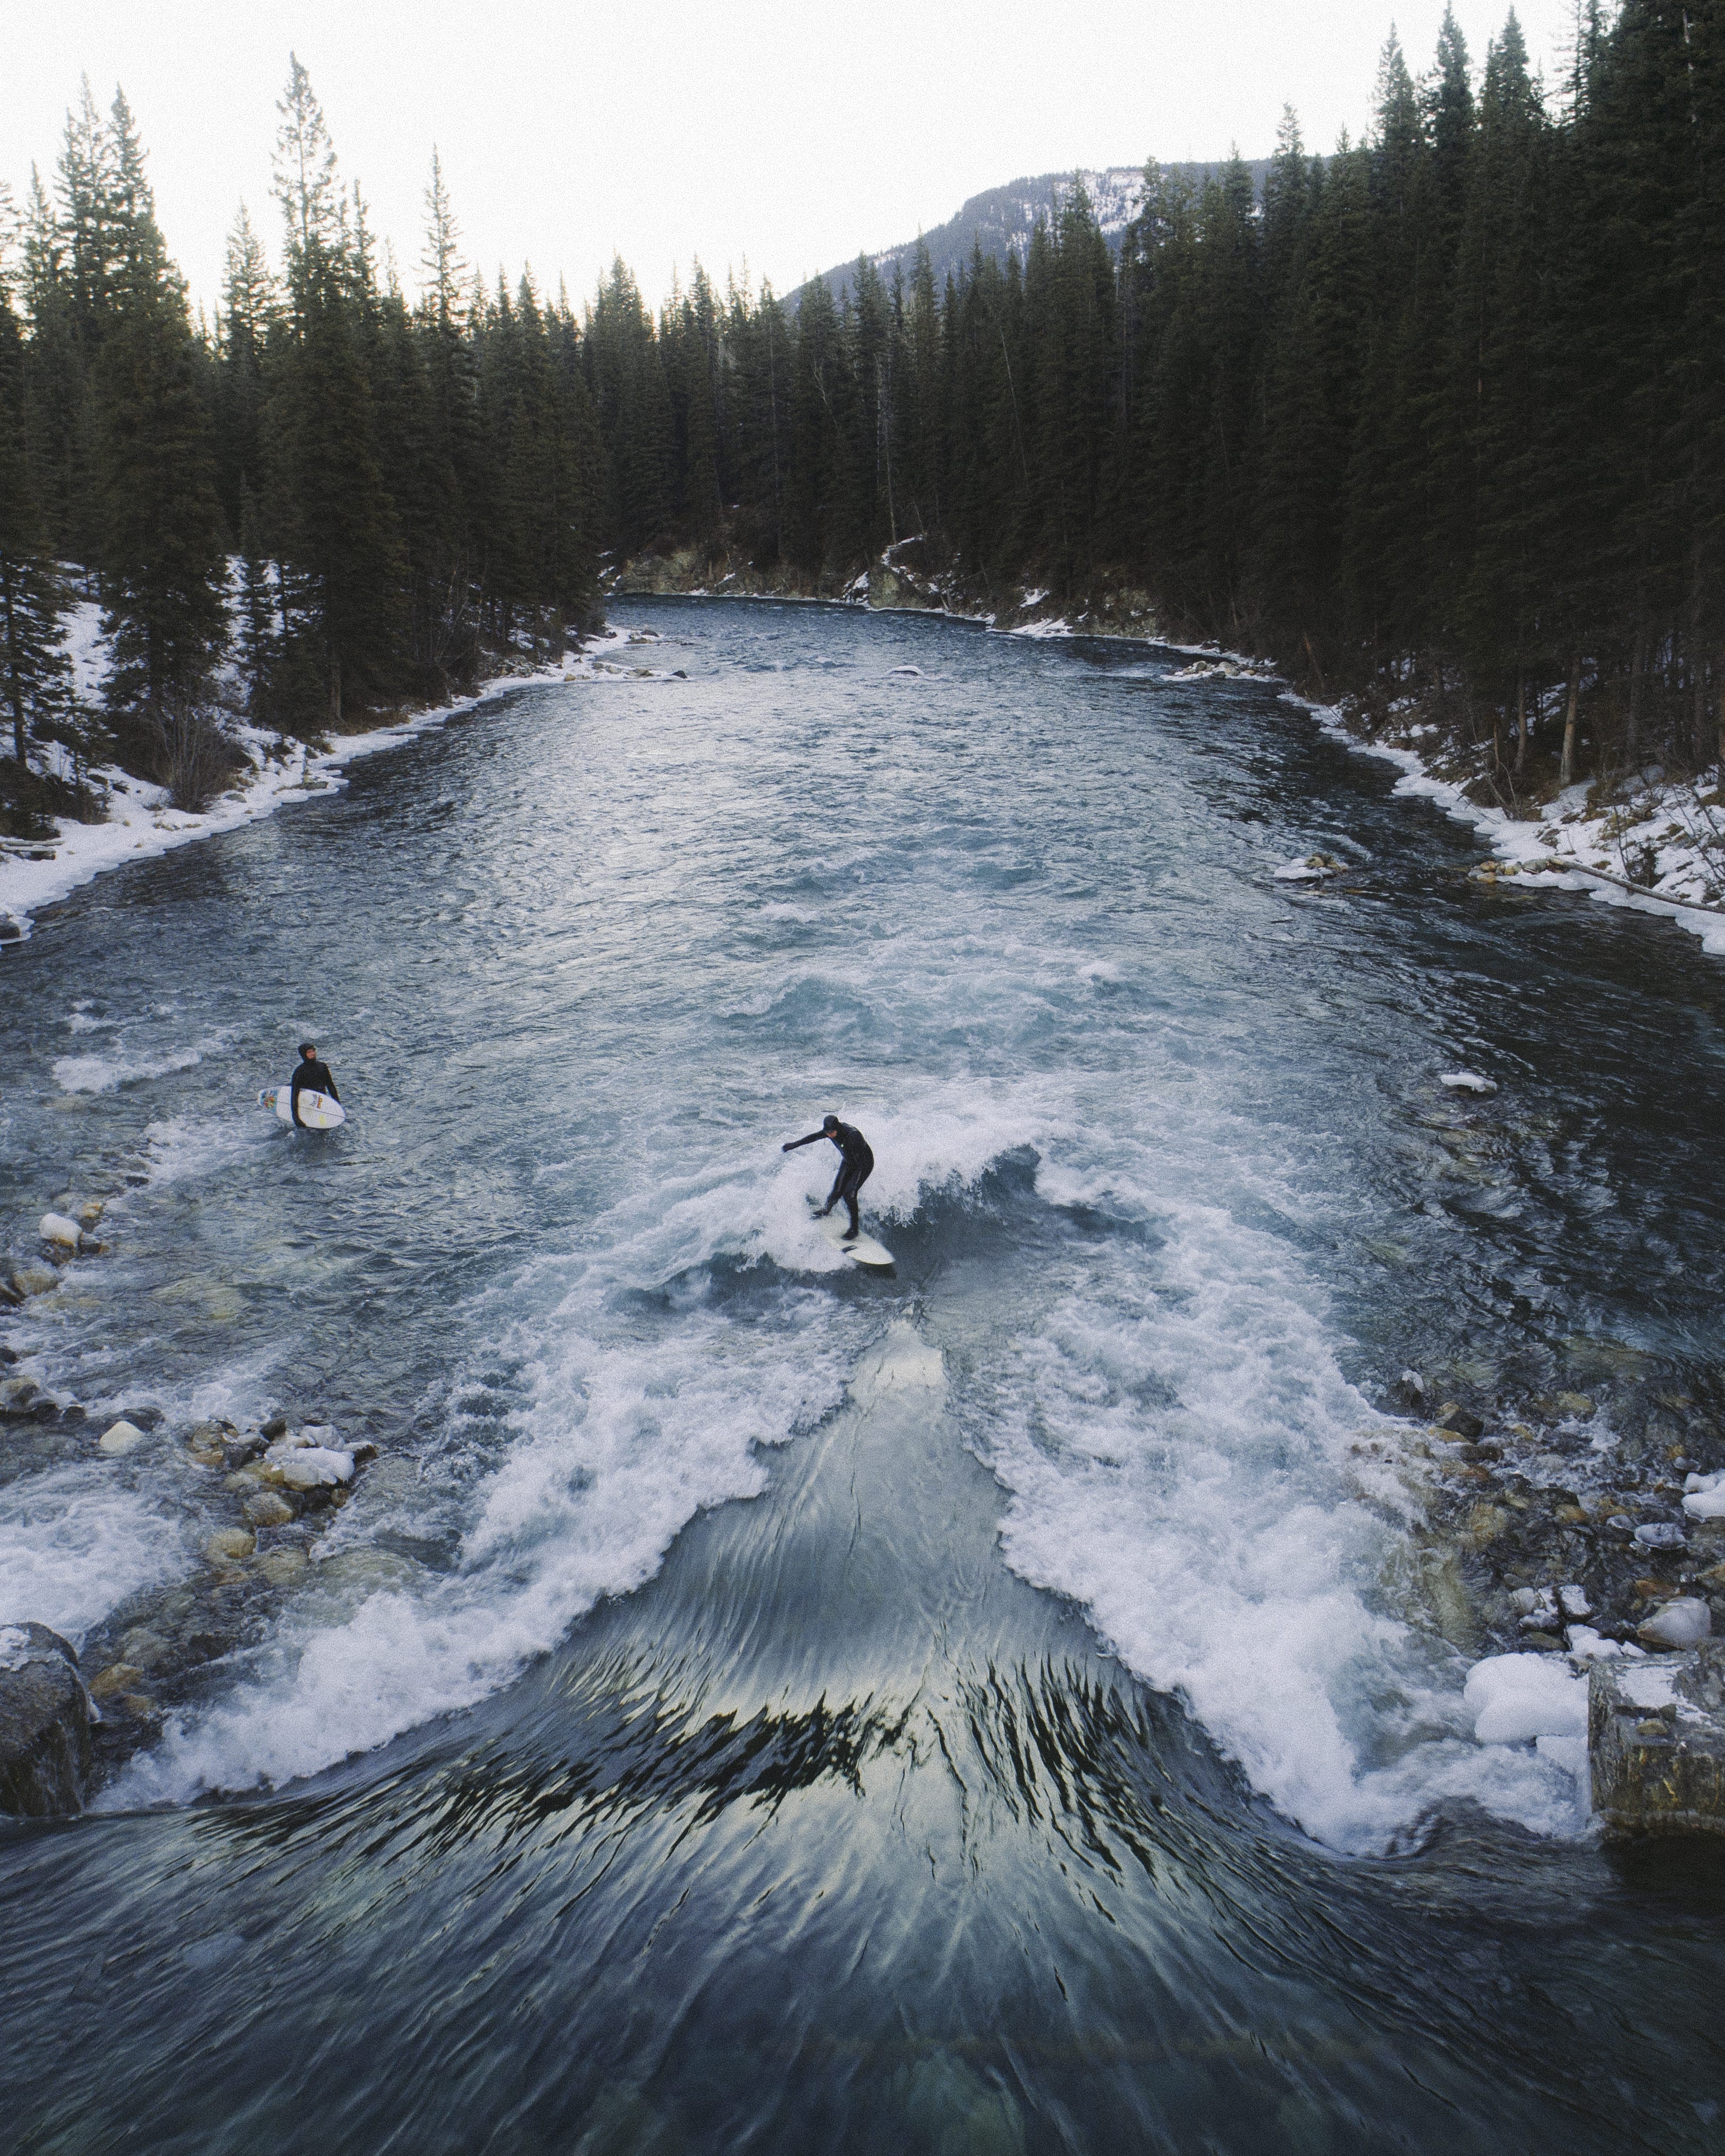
{"x":751,"y":1703}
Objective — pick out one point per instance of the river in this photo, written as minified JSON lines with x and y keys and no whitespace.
{"x":753,"y":1704}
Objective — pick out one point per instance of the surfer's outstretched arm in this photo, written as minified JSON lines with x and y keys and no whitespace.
{"x":813,"y":1137}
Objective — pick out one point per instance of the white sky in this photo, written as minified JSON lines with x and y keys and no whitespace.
{"x":789,"y":134}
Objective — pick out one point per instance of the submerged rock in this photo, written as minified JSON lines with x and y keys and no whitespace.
{"x":1656,"y":1742}
{"x":45,"y":1749}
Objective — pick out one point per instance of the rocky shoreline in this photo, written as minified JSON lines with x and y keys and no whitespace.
{"x":903,"y":579}
{"x":253,"y":1501}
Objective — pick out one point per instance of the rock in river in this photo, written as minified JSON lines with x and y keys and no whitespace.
{"x":45,"y":1751}
{"x":1656,"y":1740}
{"x":18,"y":1396}
{"x":1685,"y":1622}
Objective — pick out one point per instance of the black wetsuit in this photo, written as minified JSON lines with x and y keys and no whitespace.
{"x":311,"y":1077}
{"x":856,"y":1164}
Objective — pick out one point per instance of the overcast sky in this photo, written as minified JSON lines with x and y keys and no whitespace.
{"x":790,"y":134}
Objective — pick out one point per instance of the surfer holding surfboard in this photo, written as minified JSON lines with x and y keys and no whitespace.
{"x":856,"y":1164}
{"x":310,"y":1076}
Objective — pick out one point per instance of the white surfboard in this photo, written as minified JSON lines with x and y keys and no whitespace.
{"x":317,"y":1110}
{"x":864,"y":1251}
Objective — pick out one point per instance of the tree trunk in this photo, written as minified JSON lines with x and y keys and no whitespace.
{"x":1565,"y":772}
{"x":336,"y":690}
{"x":1638,"y":666}
{"x":15,"y":669}
{"x":1719,"y":684}
{"x":1521,"y":718}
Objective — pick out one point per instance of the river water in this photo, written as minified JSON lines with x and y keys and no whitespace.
{"x":753,"y":1704}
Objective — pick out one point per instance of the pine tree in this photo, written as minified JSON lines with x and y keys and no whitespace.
{"x":35,"y":669}
{"x":337,"y":528}
{"x":161,"y":548}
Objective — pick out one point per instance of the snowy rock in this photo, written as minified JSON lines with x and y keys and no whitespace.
{"x":1585,"y":1645}
{"x":1656,"y":1741}
{"x":1514,"y":1698}
{"x":56,"y":1228}
{"x":1312,"y":868}
{"x":303,"y":1464}
{"x":1706,"y":1504}
{"x":45,"y":1750}
{"x":1660,"y":1534}
{"x":1684,"y":1623}
{"x":119,"y":1438}
{"x":1538,"y":1608}
{"x":12,"y":929}
{"x":1574,"y":1601}
{"x":1467,"y":1081}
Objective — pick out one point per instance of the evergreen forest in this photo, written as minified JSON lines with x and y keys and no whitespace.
{"x":1439,"y":413}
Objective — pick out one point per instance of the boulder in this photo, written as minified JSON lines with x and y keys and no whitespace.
{"x":56,"y":1228}
{"x":302,"y":1465}
{"x":1454,"y":1418}
{"x":18,"y":1396}
{"x":119,"y":1438}
{"x":45,"y":1749}
{"x":1656,"y":1742}
{"x":230,"y":1545}
{"x":1685,"y":1622}
{"x":34,"y":1280}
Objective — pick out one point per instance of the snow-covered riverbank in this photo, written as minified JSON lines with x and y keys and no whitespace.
{"x":36,"y":872}
{"x":1660,"y":851}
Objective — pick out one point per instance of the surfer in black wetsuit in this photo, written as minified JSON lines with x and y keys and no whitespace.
{"x":856,"y":1164}
{"x":310,"y":1076}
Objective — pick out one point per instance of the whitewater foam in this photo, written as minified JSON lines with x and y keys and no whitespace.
{"x":1180,"y":1466}
{"x":75,"y":1543}
{"x":107,"y":1074}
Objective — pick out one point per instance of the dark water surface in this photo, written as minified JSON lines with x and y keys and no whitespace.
{"x":755,"y":1705}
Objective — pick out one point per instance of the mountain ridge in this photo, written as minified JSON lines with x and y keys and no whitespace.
{"x":1001,"y":219}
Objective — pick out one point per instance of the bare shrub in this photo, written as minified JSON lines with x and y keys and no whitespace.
{"x":194,"y":757}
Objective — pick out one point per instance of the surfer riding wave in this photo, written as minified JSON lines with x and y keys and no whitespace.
{"x":856,"y":1164}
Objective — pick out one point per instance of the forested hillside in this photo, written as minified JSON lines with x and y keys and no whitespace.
{"x":1447,"y":410}
{"x":1443,"y":411}
{"x":343,"y":495}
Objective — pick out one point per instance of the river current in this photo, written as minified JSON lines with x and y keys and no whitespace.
{"x":753,"y":1704}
